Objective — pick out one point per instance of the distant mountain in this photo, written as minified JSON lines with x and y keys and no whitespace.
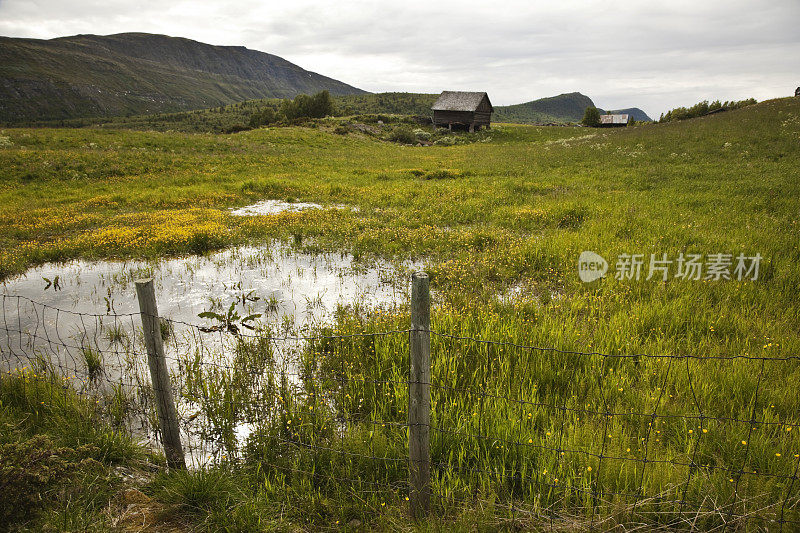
{"x":567,"y":107}
{"x":139,"y":73}
{"x":638,"y":114}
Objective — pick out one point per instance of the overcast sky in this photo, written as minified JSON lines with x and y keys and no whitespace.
{"x":647,"y":54}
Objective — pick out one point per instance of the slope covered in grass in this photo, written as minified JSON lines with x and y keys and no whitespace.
{"x":500,"y":232}
{"x":723,"y":181}
{"x":140,"y":73}
{"x":562,"y":108}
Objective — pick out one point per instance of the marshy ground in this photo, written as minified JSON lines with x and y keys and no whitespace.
{"x":499,"y":225}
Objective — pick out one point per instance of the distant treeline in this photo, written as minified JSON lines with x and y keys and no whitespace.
{"x":385,"y":103}
{"x":703,"y":108}
{"x":322,"y":104}
{"x":256,"y":113}
{"x":303,"y":106}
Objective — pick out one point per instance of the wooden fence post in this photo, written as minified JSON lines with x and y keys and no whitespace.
{"x":419,"y":398}
{"x":159,"y":375}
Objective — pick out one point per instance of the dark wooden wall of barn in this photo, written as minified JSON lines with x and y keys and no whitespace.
{"x":462,"y":117}
{"x":453,"y":117}
{"x":483,"y":118}
{"x":484,"y":106}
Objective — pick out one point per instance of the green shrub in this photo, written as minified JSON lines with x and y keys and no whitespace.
{"x":591,"y":117}
{"x":262,"y":118}
{"x":421,"y":134}
{"x":303,"y":106}
{"x":235,"y":128}
{"x":402,"y":134}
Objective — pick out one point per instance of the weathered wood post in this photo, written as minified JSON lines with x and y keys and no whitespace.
{"x":159,"y":375}
{"x":419,"y":398}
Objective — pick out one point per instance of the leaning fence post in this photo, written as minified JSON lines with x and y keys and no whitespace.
{"x":159,"y":375}
{"x":419,"y":398}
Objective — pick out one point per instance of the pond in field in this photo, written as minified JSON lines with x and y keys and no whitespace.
{"x":59,"y":309}
{"x":273,"y":207}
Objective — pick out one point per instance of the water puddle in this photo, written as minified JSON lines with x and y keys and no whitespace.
{"x":95,"y":302}
{"x":273,"y":207}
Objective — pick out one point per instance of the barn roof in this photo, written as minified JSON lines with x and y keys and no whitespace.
{"x":459,"y":101}
{"x":614,"y":119}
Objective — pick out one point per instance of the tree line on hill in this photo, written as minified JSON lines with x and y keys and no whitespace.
{"x":252,"y":114}
{"x":303,"y":106}
{"x":591,"y":117}
{"x":703,"y":108}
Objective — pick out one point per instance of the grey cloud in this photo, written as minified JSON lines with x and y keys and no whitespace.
{"x":621,"y":53}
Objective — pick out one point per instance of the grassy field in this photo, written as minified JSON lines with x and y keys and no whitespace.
{"x":506,"y":214}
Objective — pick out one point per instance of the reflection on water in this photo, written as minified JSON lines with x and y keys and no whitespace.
{"x":290,"y":291}
{"x":280,"y":284}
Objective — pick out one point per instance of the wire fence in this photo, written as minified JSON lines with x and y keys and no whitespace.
{"x":555,"y":438}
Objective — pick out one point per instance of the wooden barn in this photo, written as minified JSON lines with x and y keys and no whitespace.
{"x":618,"y":120}
{"x":460,"y":108}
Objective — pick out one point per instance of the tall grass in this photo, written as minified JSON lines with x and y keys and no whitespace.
{"x":93,"y":360}
{"x":58,"y":459}
{"x":518,"y":431}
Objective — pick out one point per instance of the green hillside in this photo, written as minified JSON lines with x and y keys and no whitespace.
{"x":139,"y":73}
{"x":567,"y":107}
{"x":100,"y":78}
